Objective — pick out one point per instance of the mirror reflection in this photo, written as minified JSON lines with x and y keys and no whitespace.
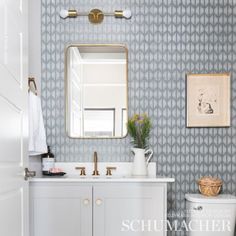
{"x":96,"y":91}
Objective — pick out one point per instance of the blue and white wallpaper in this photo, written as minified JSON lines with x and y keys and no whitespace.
{"x":166,"y":39}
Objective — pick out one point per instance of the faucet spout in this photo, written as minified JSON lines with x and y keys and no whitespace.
{"x":95,"y":161}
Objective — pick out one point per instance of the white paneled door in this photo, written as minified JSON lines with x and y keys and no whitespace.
{"x":13,"y":118}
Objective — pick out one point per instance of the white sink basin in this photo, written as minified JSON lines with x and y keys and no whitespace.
{"x":122,"y":169}
{"x":118,"y":178}
{"x":95,"y":177}
{"x":121,"y":174}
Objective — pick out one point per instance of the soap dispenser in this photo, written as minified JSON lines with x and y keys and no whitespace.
{"x":48,"y":162}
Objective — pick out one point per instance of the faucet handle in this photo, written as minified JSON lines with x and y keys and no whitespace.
{"x":95,"y":160}
{"x":82,"y":170}
{"x":109,"y":170}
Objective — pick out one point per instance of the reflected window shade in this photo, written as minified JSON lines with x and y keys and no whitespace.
{"x":98,"y":133}
{"x":99,"y":122}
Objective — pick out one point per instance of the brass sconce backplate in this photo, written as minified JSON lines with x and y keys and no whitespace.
{"x":96,"y":16}
{"x":72,"y":13}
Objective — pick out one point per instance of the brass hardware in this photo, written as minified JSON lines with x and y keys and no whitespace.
{"x":29,"y":174}
{"x":95,"y":16}
{"x":72,"y":13}
{"x":109,"y":170}
{"x":32,"y":80}
{"x":95,"y":160}
{"x":118,"y":13}
{"x":82,"y":170}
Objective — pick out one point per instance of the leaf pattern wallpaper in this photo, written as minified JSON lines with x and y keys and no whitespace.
{"x":166,"y":39}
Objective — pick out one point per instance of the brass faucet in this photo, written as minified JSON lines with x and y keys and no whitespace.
{"x":95,"y":160}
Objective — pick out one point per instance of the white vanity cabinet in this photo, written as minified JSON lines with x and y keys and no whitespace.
{"x":129,"y":210}
{"x":98,"y":209}
{"x":60,"y":209}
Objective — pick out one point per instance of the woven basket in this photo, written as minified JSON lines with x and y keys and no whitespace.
{"x":209,"y":186}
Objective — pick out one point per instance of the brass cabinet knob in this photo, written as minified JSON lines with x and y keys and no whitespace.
{"x":82,"y":170}
{"x":99,"y":202}
{"x":109,"y":170}
{"x":86,"y":201}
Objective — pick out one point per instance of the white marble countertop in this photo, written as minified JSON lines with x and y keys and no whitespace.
{"x":121,"y":174}
{"x":102,"y":179}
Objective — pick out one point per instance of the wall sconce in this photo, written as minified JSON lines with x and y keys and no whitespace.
{"x":96,"y":16}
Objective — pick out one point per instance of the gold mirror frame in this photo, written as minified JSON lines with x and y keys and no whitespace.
{"x":66,"y":85}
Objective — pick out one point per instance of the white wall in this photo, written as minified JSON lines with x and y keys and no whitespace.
{"x":35,"y":41}
{"x":35,"y":60}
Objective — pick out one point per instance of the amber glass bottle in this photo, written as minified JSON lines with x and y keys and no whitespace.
{"x":48,"y":162}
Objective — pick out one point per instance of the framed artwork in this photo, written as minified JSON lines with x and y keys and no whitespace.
{"x":208,"y":100}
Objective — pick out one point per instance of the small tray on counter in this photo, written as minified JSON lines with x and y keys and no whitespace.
{"x":55,"y":174}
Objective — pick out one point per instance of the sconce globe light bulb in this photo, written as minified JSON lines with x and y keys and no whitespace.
{"x":64,"y":13}
{"x":127,"y":13}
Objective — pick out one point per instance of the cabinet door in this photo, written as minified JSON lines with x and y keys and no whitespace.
{"x":61,"y":210}
{"x":130,"y":210}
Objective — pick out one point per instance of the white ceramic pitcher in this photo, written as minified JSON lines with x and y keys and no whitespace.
{"x":140,"y":163}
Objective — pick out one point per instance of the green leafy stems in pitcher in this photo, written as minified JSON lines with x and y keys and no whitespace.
{"x":139,"y":127}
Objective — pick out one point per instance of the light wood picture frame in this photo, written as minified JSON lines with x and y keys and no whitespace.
{"x":208,"y":100}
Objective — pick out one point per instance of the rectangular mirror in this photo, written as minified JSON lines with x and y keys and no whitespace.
{"x":96,"y":86}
